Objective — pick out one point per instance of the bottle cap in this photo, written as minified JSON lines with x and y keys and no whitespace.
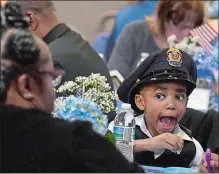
{"x":208,"y":150}
{"x":125,"y":106}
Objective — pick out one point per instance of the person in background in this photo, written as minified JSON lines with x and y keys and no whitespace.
{"x":145,"y":37}
{"x":32,"y":140}
{"x":136,"y":10}
{"x":73,"y":28}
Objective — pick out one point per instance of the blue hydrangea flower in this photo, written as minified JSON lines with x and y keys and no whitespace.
{"x":72,"y":108}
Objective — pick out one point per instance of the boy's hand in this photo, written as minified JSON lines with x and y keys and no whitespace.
{"x":165,"y":141}
{"x":213,"y":163}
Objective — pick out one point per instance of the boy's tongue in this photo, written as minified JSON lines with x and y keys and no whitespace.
{"x":167,"y":122}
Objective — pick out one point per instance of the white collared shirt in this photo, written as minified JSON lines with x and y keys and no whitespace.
{"x":177,"y":131}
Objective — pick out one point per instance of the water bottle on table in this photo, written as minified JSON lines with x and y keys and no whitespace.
{"x":124,"y":131}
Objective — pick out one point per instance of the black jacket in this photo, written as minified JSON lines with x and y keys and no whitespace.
{"x":204,"y":127}
{"x":167,"y":158}
{"x":33,"y":141}
{"x":75,"y":55}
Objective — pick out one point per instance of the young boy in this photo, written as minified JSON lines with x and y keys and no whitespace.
{"x":158,"y":90}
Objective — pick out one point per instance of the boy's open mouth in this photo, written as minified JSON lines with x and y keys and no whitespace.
{"x":167,"y":122}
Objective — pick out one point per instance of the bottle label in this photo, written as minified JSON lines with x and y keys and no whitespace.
{"x":124,"y":133}
{"x":133,"y":134}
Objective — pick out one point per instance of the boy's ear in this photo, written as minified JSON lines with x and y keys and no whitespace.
{"x":139,"y":101}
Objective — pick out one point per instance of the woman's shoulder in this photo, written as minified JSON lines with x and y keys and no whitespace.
{"x":139,"y":25}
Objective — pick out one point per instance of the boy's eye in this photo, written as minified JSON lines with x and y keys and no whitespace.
{"x":180,"y":97}
{"x":160,"y":96}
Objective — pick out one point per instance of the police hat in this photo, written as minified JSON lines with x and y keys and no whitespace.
{"x":166,"y":64}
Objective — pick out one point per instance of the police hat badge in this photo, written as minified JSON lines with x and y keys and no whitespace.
{"x":3,"y":3}
{"x":174,"y":57}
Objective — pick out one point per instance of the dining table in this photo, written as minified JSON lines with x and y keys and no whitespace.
{"x":154,"y":169}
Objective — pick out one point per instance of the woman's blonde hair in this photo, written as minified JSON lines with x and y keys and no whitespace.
{"x":174,"y":11}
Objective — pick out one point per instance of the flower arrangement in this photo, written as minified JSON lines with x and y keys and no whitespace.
{"x":87,"y":98}
{"x":188,"y":44}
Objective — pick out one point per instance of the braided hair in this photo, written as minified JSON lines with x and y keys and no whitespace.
{"x":18,"y":47}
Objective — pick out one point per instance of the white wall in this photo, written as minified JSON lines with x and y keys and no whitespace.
{"x":85,"y":15}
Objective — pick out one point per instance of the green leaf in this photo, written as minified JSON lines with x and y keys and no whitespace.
{"x":110,"y":136}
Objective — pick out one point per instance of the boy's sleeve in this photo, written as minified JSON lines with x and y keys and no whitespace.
{"x":195,"y":163}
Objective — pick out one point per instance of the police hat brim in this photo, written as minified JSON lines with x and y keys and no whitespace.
{"x":159,"y":78}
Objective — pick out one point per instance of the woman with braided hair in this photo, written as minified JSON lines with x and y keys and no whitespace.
{"x":31,"y":139}
{"x":27,"y":57}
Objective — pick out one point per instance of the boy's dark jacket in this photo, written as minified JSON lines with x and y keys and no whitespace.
{"x":33,"y":141}
{"x":204,"y":127}
{"x":183,"y":159}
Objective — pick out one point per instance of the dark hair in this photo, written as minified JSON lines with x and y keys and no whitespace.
{"x":11,"y":17}
{"x":175,"y":11}
{"x":19,"y":47}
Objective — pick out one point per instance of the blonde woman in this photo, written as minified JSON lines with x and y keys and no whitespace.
{"x":144,"y":37}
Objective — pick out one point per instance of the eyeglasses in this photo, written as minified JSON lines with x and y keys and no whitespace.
{"x":56,"y":74}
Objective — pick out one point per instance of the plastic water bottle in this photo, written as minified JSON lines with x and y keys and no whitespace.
{"x":124,"y":131}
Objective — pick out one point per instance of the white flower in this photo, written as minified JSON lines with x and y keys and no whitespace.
{"x":93,"y":87}
{"x":195,"y":39}
{"x":187,"y":44}
{"x":181,"y":46}
{"x":171,"y":39}
{"x":185,"y":40}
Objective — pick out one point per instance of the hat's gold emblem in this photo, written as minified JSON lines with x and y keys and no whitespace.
{"x":3,"y":3}
{"x":174,"y":57}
